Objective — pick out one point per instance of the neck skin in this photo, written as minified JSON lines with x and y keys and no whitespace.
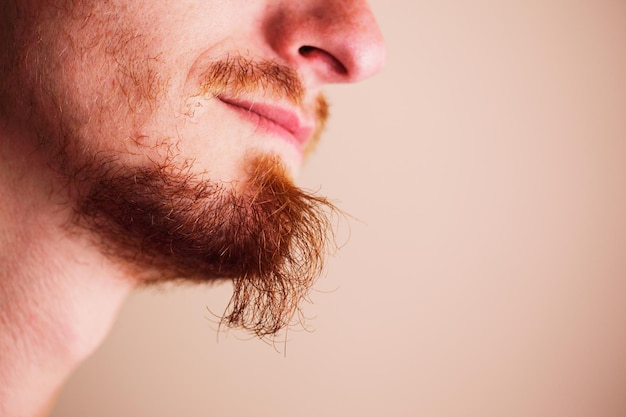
{"x":58,"y":294}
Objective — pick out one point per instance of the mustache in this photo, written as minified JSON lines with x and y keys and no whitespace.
{"x":236,"y":75}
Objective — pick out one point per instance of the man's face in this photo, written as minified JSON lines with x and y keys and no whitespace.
{"x":177,"y":126}
{"x":135,"y":72}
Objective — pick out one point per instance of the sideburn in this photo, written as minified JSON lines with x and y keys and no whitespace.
{"x":268,"y":236}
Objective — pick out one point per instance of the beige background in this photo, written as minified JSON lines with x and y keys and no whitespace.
{"x":486,"y":274}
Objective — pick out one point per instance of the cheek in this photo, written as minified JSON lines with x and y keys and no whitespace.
{"x":121,"y":96}
{"x":213,"y":140}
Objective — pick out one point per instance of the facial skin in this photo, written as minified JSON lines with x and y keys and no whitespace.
{"x":159,"y":139}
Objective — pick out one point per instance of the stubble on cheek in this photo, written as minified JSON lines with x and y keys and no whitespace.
{"x":82,"y":79}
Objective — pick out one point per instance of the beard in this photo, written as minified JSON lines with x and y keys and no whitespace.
{"x":268,"y":236}
{"x":161,"y":221}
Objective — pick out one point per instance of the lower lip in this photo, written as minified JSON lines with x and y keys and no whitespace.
{"x":297,"y":138}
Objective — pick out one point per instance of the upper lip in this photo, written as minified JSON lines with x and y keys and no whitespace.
{"x":290,"y":120}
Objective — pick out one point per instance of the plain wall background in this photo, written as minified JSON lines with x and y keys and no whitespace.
{"x":486,"y":273}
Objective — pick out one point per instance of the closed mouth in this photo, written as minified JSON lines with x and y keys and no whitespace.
{"x":274,"y":119}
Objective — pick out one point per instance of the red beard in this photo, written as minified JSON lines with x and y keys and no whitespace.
{"x":270,"y":237}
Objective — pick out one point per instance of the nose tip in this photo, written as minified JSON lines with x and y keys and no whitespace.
{"x":357,"y":44}
{"x":365,"y":56}
{"x":333,"y":41}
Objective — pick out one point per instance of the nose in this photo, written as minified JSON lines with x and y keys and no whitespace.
{"x":327,"y":41}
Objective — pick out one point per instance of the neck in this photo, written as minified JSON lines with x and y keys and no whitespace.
{"x":58,"y":295}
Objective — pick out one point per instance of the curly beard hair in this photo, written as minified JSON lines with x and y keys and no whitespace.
{"x":269,"y":237}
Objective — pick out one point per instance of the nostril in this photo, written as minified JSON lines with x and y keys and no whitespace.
{"x":305,"y":50}
{"x":316,"y":54}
